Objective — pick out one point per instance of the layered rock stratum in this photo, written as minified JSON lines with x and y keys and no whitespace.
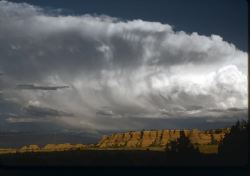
{"x":206,"y":141}
{"x":160,"y":138}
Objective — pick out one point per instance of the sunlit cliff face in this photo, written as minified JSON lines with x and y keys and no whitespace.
{"x":114,"y":69}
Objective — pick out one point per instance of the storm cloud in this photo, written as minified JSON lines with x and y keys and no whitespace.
{"x":135,"y":68}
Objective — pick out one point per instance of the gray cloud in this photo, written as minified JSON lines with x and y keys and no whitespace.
{"x":19,"y":119}
{"x":44,"y":112}
{"x":38,"y":87}
{"x":136,"y":68}
{"x":35,"y":114}
{"x":229,"y":110}
{"x":105,"y":112}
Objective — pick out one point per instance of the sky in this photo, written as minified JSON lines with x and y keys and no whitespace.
{"x":121,"y":65}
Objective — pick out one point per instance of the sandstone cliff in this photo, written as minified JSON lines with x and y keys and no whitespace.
{"x":160,"y":138}
{"x":138,"y":140}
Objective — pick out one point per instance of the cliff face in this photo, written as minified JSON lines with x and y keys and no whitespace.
{"x":138,"y":139}
{"x":160,"y":138}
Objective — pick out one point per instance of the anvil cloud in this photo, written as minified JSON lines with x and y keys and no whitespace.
{"x":115,"y":68}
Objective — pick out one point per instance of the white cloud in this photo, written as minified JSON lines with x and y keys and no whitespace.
{"x":134,"y":67}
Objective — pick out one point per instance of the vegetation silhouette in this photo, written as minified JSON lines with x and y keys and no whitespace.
{"x":182,"y":146}
{"x":234,"y":146}
{"x":182,"y":152}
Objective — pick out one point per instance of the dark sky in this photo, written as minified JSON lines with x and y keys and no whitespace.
{"x":227,"y":18}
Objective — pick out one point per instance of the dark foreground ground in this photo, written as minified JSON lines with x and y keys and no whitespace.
{"x":113,"y":158}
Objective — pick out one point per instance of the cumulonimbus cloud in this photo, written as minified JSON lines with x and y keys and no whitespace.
{"x":133,"y":67}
